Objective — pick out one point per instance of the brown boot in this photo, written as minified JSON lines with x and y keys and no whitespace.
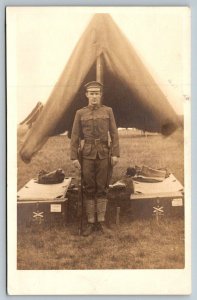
{"x":100,"y":226}
{"x":89,"y":229}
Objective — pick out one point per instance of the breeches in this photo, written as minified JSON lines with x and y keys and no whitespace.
{"x":95,"y":172}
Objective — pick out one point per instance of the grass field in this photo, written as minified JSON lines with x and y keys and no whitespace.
{"x":135,"y":243}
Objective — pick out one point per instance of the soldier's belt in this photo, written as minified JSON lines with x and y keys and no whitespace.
{"x":96,"y":141}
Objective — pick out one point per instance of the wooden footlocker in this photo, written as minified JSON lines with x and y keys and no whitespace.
{"x":164,"y":198}
{"x":42,"y":203}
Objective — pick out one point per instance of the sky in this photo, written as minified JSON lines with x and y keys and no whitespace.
{"x":40,"y":41}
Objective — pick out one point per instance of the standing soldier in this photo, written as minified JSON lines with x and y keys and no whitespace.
{"x":93,"y":123}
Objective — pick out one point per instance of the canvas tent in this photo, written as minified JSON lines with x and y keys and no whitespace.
{"x":26,"y":124}
{"x":32,"y":117}
{"x":105,"y":54}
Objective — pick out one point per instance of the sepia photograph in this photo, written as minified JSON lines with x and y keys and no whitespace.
{"x":98,"y":126}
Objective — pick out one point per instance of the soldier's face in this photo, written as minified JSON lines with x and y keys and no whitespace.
{"x":94,"y":96}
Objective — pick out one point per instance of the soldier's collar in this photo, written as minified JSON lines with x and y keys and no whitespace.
{"x":94,"y":107}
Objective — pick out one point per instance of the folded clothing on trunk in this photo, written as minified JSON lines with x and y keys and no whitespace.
{"x":147,"y":174}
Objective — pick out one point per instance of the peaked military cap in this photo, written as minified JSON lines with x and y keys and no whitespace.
{"x":93,"y":84}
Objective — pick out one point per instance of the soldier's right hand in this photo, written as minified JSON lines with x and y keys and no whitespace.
{"x":76,"y":164}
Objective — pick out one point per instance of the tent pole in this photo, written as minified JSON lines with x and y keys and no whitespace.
{"x":99,"y":69}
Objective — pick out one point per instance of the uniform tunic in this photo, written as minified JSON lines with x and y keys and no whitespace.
{"x":94,"y":124}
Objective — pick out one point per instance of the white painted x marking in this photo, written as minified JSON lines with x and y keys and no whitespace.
{"x":38,"y":214}
{"x":158,"y":209}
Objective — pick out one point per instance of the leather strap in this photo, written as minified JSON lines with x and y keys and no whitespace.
{"x":95,"y":141}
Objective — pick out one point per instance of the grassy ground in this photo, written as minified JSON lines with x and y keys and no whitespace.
{"x":133,"y":245}
{"x":136,"y":243}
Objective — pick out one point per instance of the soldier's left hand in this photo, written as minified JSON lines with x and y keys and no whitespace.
{"x":76,"y":164}
{"x":114,"y":160}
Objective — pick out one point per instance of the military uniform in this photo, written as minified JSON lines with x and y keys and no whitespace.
{"x":94,"y":125}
